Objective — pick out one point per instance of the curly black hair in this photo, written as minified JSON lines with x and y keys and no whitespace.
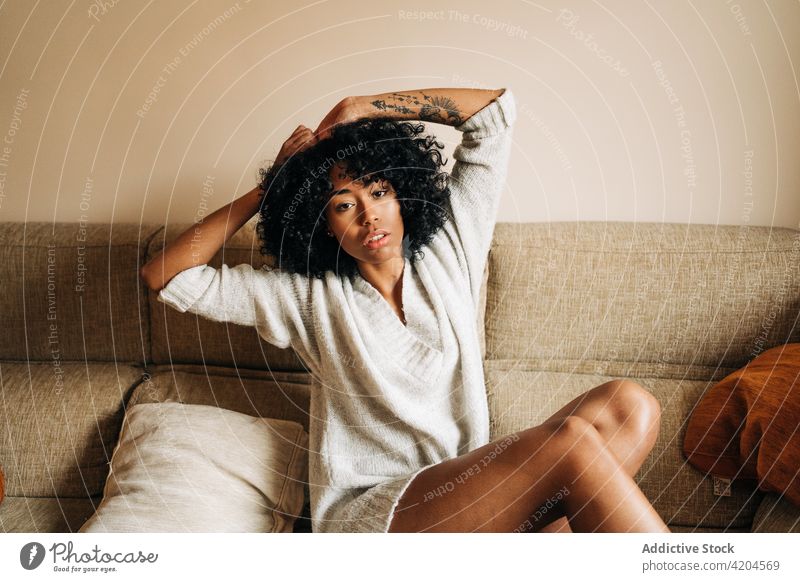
{"x":292,"y":224}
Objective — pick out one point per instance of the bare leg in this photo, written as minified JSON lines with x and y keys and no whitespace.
{"x":564,"y":455}
{"x":627,"y":416}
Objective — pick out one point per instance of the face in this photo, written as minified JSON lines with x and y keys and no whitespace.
{"x":356,"y":209}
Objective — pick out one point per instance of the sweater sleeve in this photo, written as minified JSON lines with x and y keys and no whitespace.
{"x":271,"y":301}
{"x":477,"y":181}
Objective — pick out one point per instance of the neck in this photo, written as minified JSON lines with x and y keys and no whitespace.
{"x":385,"y":276}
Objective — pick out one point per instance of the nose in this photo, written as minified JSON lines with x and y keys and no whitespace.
{"x":370,"y":212}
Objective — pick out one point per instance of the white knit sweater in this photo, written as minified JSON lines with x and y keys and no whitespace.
{"x":387,"y":400}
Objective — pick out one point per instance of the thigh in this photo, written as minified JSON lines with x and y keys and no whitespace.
{"x":494,"y":488}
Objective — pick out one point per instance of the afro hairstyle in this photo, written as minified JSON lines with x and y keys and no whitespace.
{"x":292,"y":225}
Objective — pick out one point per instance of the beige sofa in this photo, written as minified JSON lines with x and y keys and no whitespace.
{"x":568,"y":306}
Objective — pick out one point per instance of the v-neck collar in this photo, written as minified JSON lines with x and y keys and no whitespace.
{"x":367,"y":287}
{"x":387,"y":319}
{"x":380,"y":301}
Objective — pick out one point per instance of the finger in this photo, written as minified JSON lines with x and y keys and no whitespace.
{"x":301,"y":142}
{"x":307,"y":136}
{"x":305,"y":145}
{"x":298,"y":143}
{"x":298,"y":138}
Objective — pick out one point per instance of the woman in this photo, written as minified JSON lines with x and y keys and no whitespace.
{"x":381,"y":263}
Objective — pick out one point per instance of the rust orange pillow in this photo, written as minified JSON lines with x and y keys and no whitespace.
{"x":746,"y":425}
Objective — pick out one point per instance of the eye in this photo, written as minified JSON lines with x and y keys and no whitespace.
{"x":340,"y":207}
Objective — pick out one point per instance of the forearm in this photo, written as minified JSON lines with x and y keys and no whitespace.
{"x":200,"y":242}
{"x":447,"y":106}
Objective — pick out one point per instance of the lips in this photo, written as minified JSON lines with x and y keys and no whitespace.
{"x":373,"y":233}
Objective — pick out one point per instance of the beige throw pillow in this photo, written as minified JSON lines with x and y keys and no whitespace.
{"x":197,"y":468}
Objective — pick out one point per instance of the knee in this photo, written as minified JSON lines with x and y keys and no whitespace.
{"x":576,"y":442}
{"x":632,"y":407}
{"x":562,"y":439}
{"x":575,"y":433}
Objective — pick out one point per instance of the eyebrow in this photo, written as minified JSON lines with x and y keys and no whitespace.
{"x":348,"y":191}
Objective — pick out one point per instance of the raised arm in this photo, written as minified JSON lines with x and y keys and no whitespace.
{"x":478,"y":179}
{"x":448,"y":106}
{"x":198,"y":244}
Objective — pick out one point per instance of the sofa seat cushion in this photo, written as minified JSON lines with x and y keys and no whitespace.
{"x":694,"y":529}
{"x":45,"y":514}
{"x":776,"y":514}
{"x":520,"y":398}
{"x":60,"y":424}
{"x":197,"y":468}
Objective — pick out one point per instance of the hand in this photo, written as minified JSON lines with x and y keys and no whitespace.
{"x":301,"y":139}
{"x":345,"y":111}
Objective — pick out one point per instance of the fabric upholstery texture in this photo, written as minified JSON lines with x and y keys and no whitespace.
{"x":776,"y":515}
{"x":56,"y":439}
{"x":46,"y":514}
{"x":73,"y":292}
{"x":662,"y":294}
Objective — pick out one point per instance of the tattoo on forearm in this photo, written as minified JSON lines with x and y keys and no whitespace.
{"x":434,"y":108}
{"x":381,"y":104}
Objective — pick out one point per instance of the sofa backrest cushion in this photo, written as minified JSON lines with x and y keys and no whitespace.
{"x":662,"y":294}
{"x":72,"y":291}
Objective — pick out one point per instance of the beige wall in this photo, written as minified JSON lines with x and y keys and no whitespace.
{"x":683,"y":111}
